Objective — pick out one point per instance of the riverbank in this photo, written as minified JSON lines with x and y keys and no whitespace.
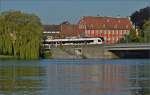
{"x":89,"y":52}
{"x":80,"y":52}
{"x":7,"y":57}
{"x":100,"y":52}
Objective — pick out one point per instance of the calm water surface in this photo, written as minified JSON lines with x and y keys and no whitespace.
{"x":75,"y":77}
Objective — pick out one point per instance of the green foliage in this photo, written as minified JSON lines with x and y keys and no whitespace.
{"x":146,"y":30}
{"x":133,"y":37}
{"x":139,"y":17}
{"x":20,"y":35}
{"x":47,"y":54}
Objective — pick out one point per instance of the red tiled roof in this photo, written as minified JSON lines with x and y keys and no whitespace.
{"x":98,"y":22}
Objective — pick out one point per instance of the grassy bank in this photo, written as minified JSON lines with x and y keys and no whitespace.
{"x":6,"y":57}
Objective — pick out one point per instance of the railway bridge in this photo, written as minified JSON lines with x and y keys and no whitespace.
{"x":134,"y":50}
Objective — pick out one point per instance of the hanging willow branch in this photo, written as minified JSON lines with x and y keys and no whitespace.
{"x":20,"y":35}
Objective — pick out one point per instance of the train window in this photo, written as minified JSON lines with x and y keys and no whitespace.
{"x":99,"y":40}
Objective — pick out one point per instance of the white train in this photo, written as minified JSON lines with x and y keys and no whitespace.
{"x":73,"y":41}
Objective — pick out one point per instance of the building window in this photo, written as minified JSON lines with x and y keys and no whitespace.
{"x":113,"y":32}
{"x":124,"y":32}
{"x":127,"y":26}
{"x":92,"y":32}
{"x":115,"y":26}
{"x":127,"y":32}
{"x":108,"y":31}
{"x":107,"y":20}
{"x":101,"y":31}
{"x":105,"y":32}
{"x":97,"y":32}
{"x":104,"y":25}
{"x":88,"y":32}
{"x":91,"y":26}
{"x":116,"y":39}
{"x":120,"y":32}
{"x":82,"y":26}
{"x":116,"y":31}
{"x":108,"y":39}
{"x":49,"y":37}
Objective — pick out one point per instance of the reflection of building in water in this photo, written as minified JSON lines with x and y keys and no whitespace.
{"x":64,"y":78}
{"x":20,"y":79}
{"x":86,"y":79}
{"x":104,"y":79}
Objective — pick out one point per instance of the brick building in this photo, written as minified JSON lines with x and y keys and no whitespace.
{"x":69,"y":30}
{"x":110,"y":28}
{"x":64,"y":30}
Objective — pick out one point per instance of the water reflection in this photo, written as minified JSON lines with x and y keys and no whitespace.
{"x":96,"y":78}
{"x":21,"y":78}
{"x":75,"y":77}
{"x":140,"y":79}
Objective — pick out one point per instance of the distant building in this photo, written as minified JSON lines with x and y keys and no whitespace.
{"x":69,"y":30}
{"x":110,"y":28}
{"x":51,"y":31}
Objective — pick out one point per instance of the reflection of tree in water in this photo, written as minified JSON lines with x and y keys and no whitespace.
{"x":20,"y":79}
{"x":140,"y":79}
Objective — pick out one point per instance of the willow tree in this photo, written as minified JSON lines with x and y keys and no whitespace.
{"x":20,"y":35}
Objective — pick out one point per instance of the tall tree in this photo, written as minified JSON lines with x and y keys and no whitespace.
{"x":20,"y":34}
{"x":139,"y":17}
{"x":146,"y":30}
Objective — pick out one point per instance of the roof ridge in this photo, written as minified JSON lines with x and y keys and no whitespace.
{"x":105,"y":17}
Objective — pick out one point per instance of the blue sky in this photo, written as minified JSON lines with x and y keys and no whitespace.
{"x":56,"y":11}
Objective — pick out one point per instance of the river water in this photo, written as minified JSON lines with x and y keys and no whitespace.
{"x":75,"y":77}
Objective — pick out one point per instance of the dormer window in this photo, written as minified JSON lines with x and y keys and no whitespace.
{"x":82,"y":26}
